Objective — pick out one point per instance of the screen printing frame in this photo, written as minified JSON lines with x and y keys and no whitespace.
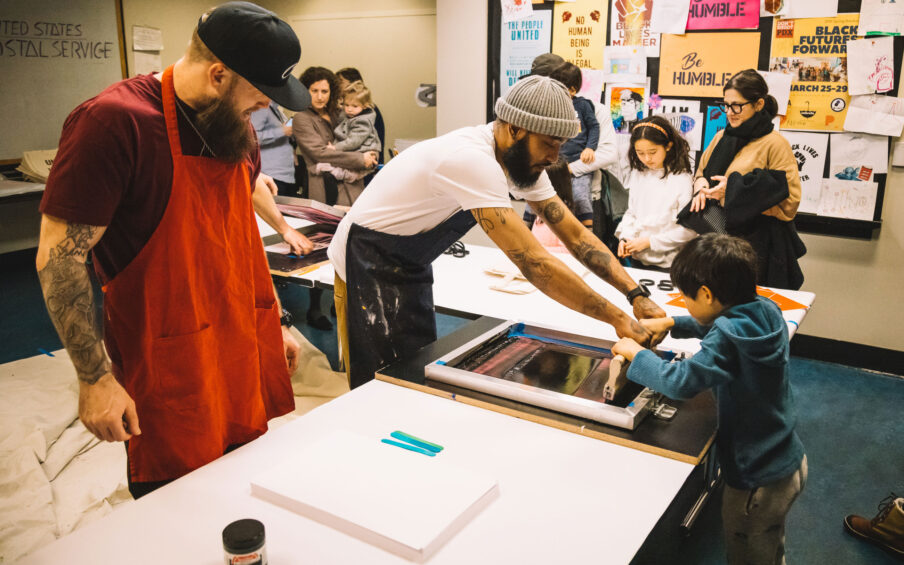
{"x":628,"y":417}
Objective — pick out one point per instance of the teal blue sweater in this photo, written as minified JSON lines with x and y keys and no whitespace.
{"x":743,"y":357}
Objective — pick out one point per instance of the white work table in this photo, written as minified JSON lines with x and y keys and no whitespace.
{"x":462,"y":286}
{"x":563,"y":498}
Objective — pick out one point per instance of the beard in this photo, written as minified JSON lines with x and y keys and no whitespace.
{"x":517,"y":162}
{"x":226,"y":131}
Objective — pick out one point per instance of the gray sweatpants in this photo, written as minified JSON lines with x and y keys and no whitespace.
{"x":754,"y":520}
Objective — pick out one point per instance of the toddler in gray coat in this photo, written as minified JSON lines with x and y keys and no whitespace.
{"x":357,"y":132}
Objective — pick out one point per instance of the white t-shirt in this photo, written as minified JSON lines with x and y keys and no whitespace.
{"x":428,"y":183}
{"x":653,"y":206}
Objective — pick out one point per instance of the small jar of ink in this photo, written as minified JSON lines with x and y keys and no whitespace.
{"x":243,"y":543}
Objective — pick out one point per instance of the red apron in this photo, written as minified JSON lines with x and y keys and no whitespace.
{"x":192,"y":325}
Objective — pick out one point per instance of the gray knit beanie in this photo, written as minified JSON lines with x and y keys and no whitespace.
{"x":540,"y":105}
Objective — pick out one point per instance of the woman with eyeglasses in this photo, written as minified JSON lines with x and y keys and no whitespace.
{"x":750,"y":170}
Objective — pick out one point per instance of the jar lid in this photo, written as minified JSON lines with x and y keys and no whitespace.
{"x":246,"y":534}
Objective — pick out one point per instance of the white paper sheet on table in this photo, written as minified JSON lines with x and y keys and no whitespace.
{"x":624,"y":64}
{"x":875,"y":113}
{"x":514,"y":10}
{"x":858,"y":156}
{"x":690,"y":126}
{"x":676,"y":106}
{"x":811,"y":9}
{"x":669,"y":16}
{"x":779,"y":87}
{"x":848,"y":199}
{"x":870,"y":65}
{"x":881,"y":16}
{"x":773,"y":8}
{"x":810,"y":151}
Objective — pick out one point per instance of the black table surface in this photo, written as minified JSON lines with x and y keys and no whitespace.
{"x":687,"y":437}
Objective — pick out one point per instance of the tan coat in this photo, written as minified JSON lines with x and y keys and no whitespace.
{"x":772,"y":151}
{"x":313,"y":133}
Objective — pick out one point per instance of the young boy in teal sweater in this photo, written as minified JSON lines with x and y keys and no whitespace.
{"x":743,"y":358}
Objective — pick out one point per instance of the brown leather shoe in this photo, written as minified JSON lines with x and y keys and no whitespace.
{"x":885,"y":530}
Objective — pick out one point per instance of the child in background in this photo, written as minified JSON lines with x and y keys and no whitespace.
{"x":743,"y":358}
{"x":582,"y":146}
{"x":659,"y":186}
{"x":561,"y":182}
{"x":357,"y":132}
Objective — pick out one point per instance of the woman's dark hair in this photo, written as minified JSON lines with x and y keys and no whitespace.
{"x":568,"y":74}
{"x":658,"y":130}
{"x":752,"y":87}
{"x":560,"y":178}
{"x":723,"y":263}
{"x":317,"y":74}
{"x":351,"y":74}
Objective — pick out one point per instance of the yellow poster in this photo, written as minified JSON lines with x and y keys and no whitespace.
{"x":699,"y":64}
{"x":814,"y":52}
{"x":579,"y":32}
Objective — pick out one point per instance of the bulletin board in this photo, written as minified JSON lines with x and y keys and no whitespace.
{"x":725,"y":51}
{"x":55,"y":55}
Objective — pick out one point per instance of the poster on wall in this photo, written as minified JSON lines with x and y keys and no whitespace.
{"x":591,"y":84}
{"x":810,"y":151}
{"x":676,"y":106}
{"x":715,"y":122}
{"x":814,"y":52}
{"x":811,"y":8}
{"x":513,"y":10}
{"x":627,"y":104}
{"x":624,"y":64}
{"x":870,"y":66}
{"x":848,"y":199}
{"x":770,"y":8}
{"x":858,"y":156}
{"x":580,"y":32}
{"x":520,"y":42}
{"x":689,"y":125}
{"x":699,"y":64}
{"x":881,"y":17}
{"x":631,"y":25}
{"x":723,"y":14}
{"x":876,"y":113}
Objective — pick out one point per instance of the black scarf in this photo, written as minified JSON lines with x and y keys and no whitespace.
{"x":733,"y":140}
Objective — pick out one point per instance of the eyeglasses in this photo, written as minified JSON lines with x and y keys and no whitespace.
{"x":735,"y":107}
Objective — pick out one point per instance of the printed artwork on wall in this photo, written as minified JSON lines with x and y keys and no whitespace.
{"x":809,"y":150}
{"x":814,"y":52}
{"x":630,"y":25}
{"x":723,"y":14}
{"x":699,"y":64}
{"x":579,"y":32}
{"x":627,"y":104}
{"x":715,"y":122}
{"x":521,"y":41}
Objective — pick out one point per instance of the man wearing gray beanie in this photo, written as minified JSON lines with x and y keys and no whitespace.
{"x":431,"y":194}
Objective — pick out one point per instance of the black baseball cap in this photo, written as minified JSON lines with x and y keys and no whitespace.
{"x":258,"y":46}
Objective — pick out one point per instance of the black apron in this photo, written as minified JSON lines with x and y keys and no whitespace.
{"x":389,"y":279}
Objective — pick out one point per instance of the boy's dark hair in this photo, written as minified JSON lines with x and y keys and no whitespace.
{"x":568,"y":74}
{"x":723,"y":263}
{"x":317,"y":74}
{"x":351,"y":74}
{"x":658,"y":130}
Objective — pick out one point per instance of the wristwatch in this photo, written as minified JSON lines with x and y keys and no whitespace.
{"x":286,"y":319}
{"x":639,"y":290}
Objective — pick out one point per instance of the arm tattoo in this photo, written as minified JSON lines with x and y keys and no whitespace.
{"x":535,"y":269}
{"x":486,"y":223}
{"x":595,"y":259}
{"x":554,"y":213}
{"x":70,"y":302}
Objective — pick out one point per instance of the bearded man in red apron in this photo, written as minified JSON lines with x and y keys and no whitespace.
{"x":154,"y":176}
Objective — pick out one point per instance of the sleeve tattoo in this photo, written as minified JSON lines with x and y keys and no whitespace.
{"x":70,"y":302}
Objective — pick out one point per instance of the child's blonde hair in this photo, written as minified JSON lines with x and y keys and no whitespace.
{"x":358,"y":92}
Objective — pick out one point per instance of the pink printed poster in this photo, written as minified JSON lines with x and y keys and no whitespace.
{"x":723,"y":14}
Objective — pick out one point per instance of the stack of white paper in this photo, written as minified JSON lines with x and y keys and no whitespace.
{"x":36,"y":164}
{"x":404,"y":502}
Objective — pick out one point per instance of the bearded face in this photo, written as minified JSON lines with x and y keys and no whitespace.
{"x":225,"y":127}
{"x":517,"y":161}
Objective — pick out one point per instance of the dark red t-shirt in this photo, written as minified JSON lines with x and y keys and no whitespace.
{"x":114,"y":169}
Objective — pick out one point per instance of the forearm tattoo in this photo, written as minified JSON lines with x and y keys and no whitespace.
{"x":70,"y":302}
{"x":554,"y":213}
{"x":535,"y":268}
{"x":594,"y":258}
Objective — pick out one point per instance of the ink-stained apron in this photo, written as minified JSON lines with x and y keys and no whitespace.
{"x":191,"y":323}
{"x":390,"y":292}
